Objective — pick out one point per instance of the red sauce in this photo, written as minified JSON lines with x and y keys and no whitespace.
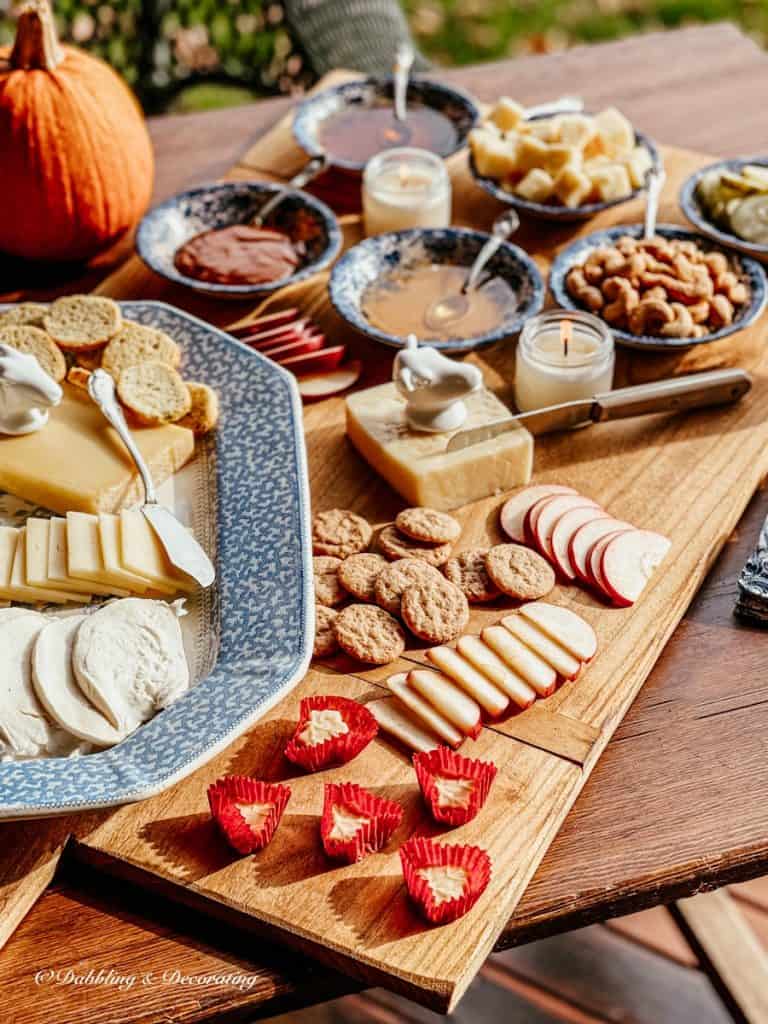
{"x":238,"y":254}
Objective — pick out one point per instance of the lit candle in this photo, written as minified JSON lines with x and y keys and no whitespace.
{"x":562,"y":356}
{"x":405,"y":188}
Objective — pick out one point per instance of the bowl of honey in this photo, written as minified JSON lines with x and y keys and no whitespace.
{"x":349,"y":123}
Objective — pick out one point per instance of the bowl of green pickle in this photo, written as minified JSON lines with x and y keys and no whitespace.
{"x":728,"y":202}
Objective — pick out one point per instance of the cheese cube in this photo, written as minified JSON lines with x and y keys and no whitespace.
{"x":537,"y":186}
{"x":507,"y":114}
{"x":58,"y":564}
{"x":531,"y":152}
{"x":494,"y":157}
{"x":638,"y":163}
{"x":572,"y":186}
{"x":418,"y":466}
{"x":576,"y":129}
{"x":143,"y":554}
{"x":611,"y":182}
{"x":617,"y":133}
{"x":545,"y":128}
{"x":19,"y":590}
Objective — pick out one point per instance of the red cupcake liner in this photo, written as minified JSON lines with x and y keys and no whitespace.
{"x":227,"y":792}
{"x":339,"y":749}
{"x":449,"y":764}
{"x":419,"y":853}
{"x":383,"y":818}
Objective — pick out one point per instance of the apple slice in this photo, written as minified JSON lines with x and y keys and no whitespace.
{"x":548,"y":650}
{"x":482,"y":657}
{"x":446,"y":697}
{"x":562,"y":533}
{"x":464,"y":674}
{"x":424,"y":711}
{"x":514,"y":510}
{"x":537,"y":673}
{"x":544,"y":517}
{"x":585,"y":537}
{"x":595,"y":563}
{"x":322,"y":361}
{"x":314,"y":386}
{"x":629,"y":561}
{"x":271,"y":337}
{"x":308,"y":343}
{"x":263,"y":323}
{"x":563,"y":626}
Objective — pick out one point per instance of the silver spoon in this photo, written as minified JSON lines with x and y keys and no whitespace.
{"x":564,"y":105}
{"x":654,"y":185}
{"x":451,"y":308}
{"x":404,"y":58}
{"x":311,"y":170}
{"x":182,"y":549}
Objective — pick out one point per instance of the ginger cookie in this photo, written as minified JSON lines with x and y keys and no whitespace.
{"x":328,"y":589}
{"x":435,"y":612}
{"x":393,"y":581}
{"x":428,"y":525}
{"x":325,"y":635}
{"x":358,"y":574}
{"x":34,"y":342}
{"x":340,"y":533}
{"x":83,"y":321}
{"x":519,"y":572}
{"x":369,"y":634}
{"x":470,"y":575}
{"x":396,"y":545}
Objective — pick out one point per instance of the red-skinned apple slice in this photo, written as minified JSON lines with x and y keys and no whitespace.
{"x":309,"y":343}
{"x":629,"y":561}
{"x":544,"y":517}
{"x":564,"y":627}
{"x":322,"y":361}
{"x":264,"y":323}
{"x":282,"y":337}
{"x":314,"y":386}
{"x":595,"y":562}
{"x":562,"y":533}
{"x":514,"y":510}
{"x":586,"y":536}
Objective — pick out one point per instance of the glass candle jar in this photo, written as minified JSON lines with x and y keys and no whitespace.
{"x":405,"y":188}
{"x":562,"y":356}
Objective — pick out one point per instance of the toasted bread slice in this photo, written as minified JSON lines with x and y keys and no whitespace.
{"x":135,"y":344}
{"x":83,"y":321}
{"x":154,"y":392}
{"x":31,"y":313}
{"x":204,"y":413}
{"x":35,"y":342}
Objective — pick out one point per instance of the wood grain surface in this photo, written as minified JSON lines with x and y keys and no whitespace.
{"x":681,"y":86}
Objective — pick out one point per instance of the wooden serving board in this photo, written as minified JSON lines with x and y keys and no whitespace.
{"x":689,"y":477}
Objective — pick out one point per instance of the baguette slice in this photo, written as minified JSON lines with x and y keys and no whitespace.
{"x":154,"y":392}
{"x":83,"y":321}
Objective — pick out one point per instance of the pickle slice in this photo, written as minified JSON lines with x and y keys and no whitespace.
{"x":750,"y":219}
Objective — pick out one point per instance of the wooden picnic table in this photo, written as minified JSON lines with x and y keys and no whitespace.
{"x":679,"y":801}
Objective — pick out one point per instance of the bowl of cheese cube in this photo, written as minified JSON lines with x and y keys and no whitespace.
{"x":566,"y":167}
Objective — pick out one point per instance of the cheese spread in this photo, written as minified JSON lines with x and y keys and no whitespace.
{"x":323,"y":725}
{"x":446,"y":882}
{"x":453,"y":792}
{"x":255,"y":814}
{"x":345,"y":823}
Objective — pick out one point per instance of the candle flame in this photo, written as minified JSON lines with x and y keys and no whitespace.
{"x":566,"y":335}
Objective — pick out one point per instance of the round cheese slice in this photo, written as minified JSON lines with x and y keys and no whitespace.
{"x":57,"y":689}
{"x":129,"y":660}
{"x":25,"y":729}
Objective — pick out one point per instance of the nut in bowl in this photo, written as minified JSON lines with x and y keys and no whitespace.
{"x":565,"y":167}
{"x":728,"y":202}
{"x":204,"y":239}
{"x":671,"y":291}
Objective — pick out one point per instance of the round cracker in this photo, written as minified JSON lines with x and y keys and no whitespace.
{"x":468,"y":572}
{"x":435,"y":612}
{"x":519,"y":572}
{"x":154,"y":392}
{"x":83,"y":321}
{"x":325,"y":637}
{"x":358,"y":574}
{"x":428,"y":525}
{"x":135,"y":343}
{"x":340,"y":533}
{"x":393,"y":581}
{"x":328,"y":589}
{"x":396,"y":545}
{"x":35,"y":342}
{"x":370,"y":634}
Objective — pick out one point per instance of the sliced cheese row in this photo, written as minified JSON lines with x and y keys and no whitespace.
{"x":58,"y":561}
{"x":508,"y":666}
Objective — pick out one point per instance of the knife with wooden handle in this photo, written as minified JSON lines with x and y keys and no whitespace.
{"x":678,"y":394}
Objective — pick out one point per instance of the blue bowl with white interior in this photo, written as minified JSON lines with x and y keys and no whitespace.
{"x":698,"y":215}
{"x":750,"y":271}
{"x":376,"y":257}
{"x":168,"y":226}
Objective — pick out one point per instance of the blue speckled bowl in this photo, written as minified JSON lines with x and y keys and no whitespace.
{"x":174,"y":222}
{"x":312,"y":112}
{"x":560,"y":214}
{"x":378,"y":256}
{"x":577,"y":253}
{"x":697,"y":215}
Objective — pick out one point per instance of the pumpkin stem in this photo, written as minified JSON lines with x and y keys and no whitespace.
{"x":37,"y":45}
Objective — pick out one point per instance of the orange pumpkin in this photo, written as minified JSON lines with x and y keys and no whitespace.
{"x":76,"y":162}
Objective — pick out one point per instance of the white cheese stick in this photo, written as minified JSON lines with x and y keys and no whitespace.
{"x":400,"y":724}
{"x":482,"y":657}
{"x":537,"y":673}
{"x":489,"y":697}
{"x":443,"y":694}
{"x":426,"y":714}
{"x":555,"y":655}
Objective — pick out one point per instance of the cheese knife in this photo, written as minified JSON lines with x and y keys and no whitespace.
{"x":183,"y":551}
{"x":678,"y":394}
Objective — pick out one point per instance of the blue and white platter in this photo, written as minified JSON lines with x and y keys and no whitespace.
{"x":255,"y":625}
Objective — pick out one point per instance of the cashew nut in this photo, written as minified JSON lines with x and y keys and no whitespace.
{"x":582,"y":291}
{"x":682,"y":326}
{"x":649,"y":316}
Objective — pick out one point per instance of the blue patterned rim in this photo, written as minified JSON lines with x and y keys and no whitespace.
{"x":379,"y":255}
{"x":576,"y":254}
{"x":454,"y":103}
{"x":563,"y":214}
{"x":172,"y":223}
{"x":697,"y":215}
{"x":262,"y":602}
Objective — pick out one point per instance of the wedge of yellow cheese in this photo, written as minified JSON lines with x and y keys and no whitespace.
{"x":77,"y":462}
{"x":142,"y":553}
{"x":17,"y":589}
{"x":417,"y":464}
{"x":47,"y":560}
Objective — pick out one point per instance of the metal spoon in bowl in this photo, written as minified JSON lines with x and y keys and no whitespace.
{"x":564,"y":105}
{"x":400,"y":132}
{"x":451,"y":308}
{"x":311,"y":170}
{"x":654,"y":185}
{"x":183,"y":551}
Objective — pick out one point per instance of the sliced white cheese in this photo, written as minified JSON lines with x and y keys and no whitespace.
{"x":8,"y":538}
{"x":129,"y":660}
{"x":143,"y":553}
{"x":396,"y":721}
{"x":112,"y":554}
{"x":37,"y":551}
{"x":57,"y":688}
{"x":446,"y":882}
{"x":18,"y":590}
{"x":58,"y":565}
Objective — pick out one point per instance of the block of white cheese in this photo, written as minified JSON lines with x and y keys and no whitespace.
{"x":418,"y":466}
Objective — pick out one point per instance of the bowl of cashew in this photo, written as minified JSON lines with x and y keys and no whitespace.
{"x":674,"y":290}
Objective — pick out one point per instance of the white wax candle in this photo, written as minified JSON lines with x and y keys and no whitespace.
{"x":547,"y":372}
{"x":405,"y":188}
